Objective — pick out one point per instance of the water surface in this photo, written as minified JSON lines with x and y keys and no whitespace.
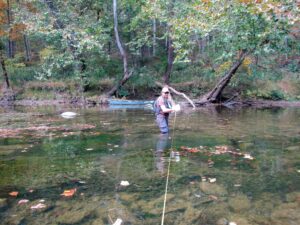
{"x":43,"y":154}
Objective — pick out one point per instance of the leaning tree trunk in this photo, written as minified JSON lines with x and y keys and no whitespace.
{"x":126,"y":73}
{"x":215,"y":94}
{"x":169,"y":68}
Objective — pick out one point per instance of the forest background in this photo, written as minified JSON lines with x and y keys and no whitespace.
{"x":211,"y":50}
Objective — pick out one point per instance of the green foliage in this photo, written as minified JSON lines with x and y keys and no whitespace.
{"x":265,"y":94}
{"x":207,"y":36}
{"x":294,"y":66}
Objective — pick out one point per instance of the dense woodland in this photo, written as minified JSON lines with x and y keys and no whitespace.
{"x":212,"y":50}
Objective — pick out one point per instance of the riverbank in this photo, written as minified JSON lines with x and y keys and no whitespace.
{"x":255,"y":103}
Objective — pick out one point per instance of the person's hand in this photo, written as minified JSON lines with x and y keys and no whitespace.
{"x":176,"y":108}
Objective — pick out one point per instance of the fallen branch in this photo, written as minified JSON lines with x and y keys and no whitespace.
{"x":177,"y":93}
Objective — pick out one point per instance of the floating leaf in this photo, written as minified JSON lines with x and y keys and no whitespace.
{"x":191,"y":150}
{"x":213,"y":197}
{"x":69,"y":193}
{"x":23,"y":201}
{"x":14,"y":193}
{"x":212,"y":180}
{"x":38,"y":206}
{"x":248,"y":156}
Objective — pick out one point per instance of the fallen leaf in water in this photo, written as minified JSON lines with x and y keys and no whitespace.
{"x":213,"y":197}
{"x":38,"y":206}
{"x":191,"y":150}
{"x":248,"y":156}
{"x":14,"y":193}
{"x":23,"y":201}
{"x":69,"y":193}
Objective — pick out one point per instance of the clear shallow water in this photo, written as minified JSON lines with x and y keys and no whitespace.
{"x":43,"y":154}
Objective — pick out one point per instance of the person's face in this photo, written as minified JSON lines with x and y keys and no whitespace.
{"x":165,"y":93}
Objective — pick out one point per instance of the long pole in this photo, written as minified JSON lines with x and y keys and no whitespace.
{"x":168,"y":173}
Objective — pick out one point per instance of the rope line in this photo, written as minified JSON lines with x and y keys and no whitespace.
{"x":168,"y":173}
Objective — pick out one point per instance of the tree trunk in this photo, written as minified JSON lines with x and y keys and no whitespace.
{"x":154,"y":38}
{"x":166,"y":77}
{"x":10,"y":43}
{"x":5,"y":75}
{"x":126,"y":73}
{"x":27,"y":48}
{"x":214,"y":95}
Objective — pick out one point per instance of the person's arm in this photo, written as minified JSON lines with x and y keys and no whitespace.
{"x":165,"y":109}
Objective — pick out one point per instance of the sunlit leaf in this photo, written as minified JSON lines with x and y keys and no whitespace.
{"x":14,"y":193}
{"x":69,"y":193}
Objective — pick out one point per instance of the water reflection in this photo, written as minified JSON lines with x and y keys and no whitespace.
{"x":163,"y":143}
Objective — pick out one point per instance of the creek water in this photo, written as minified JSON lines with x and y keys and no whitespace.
{"x":227,"y":165}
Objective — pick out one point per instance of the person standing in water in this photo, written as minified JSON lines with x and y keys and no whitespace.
{"x":163,"y":106}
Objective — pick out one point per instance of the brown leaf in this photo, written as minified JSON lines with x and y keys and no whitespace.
{"x":69,"y":193}
{"x":14,"y":193}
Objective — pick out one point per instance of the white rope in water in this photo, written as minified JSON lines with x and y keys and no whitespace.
{"x":168,"y":173}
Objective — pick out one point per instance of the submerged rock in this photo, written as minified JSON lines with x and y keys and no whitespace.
{"x":3,"y":202}
{"x":240,"y":203}
{"x":213,"y":189}
{"x":288,"y":213}
{"x":222,"y":221}
{"x":237,"y":219}
{"x":293,"y":148}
